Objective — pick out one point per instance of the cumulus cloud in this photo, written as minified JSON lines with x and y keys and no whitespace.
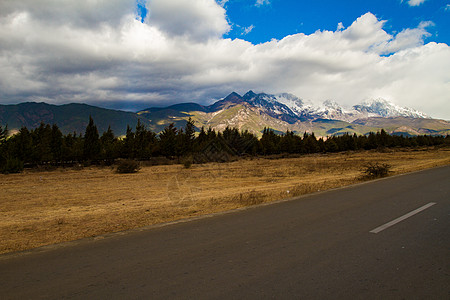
{"x":51,"y":53}
{"x":222,"y":2}
{"x":195,"y":19}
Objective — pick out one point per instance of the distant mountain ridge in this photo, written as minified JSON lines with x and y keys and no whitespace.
{"x":69,"y":118}
{"x":285,"y":111}
{"x":252,"y":112}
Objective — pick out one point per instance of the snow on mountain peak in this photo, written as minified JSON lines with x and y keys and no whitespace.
{"x":383,"y":108}
{"x":291,"y":108}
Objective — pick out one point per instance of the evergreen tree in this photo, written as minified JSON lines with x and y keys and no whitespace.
{"x":189,"y":136}
{"x":249,"y":143}
{"x":270,"y":142}
{"x":371,"y":141}
{"x":42,"y":152}
{"x":168,"y":141}
{"x":211,"y":134}
{"x":67,"y":149}
{"x":382,"y":139}
{"x":109,"y":146}
{"x":140,"y":141}
{"x":290,"y":143}
{"x":310,"y":143}
{"x":128,"y":144}
{"x":92,"y":147}
{"x":22,"y":145}
{"x":331,"y":145}
{"x":56,"y":142}
{"x":201,"y":140}
{"x":3,"y":134}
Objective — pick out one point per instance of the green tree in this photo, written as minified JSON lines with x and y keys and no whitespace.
{"x":3,"y":134}
{"x":189,"y":136}
{"x":128,"y":144}
{"x":21,"y":145}
{"x":109,"y":146}
{"x":56,"y":141}
{"x":144,"y":144}
{"x":42,"y":151}
{"x":331,"y":145}
{"x":270,"y":142}
{"x":92,"y":146}
{"x":310,"y":143}
{"x":140,"y":141}
{"x":290,"y":143}
{"x":168,"y":141}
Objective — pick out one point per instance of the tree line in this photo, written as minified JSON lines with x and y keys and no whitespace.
{"x":46,"y":145}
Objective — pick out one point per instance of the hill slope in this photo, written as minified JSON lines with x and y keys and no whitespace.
{"x":69,"y":117}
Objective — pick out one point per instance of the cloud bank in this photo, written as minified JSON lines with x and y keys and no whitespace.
{"x":62,"y":51}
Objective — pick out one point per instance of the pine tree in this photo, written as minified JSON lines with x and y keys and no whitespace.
{"x":140,"y":142}
{"x":3,"y":134}
{"x":92,"y":147}
{"x":42,"y":151}
{"x":128,"y":144}
{"x":22,"y":145}
{"x":108,"y":142}
{"x":168,"y":141}
{"x":189,"y":136}
{"x":56,"y":142}
{"x":310,"y":143}
{"x":270,"y":142}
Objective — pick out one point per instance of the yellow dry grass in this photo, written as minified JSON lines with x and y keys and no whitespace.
{"x":41,"y":208}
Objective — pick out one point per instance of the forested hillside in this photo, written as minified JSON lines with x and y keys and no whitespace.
{"x":46,"y":145}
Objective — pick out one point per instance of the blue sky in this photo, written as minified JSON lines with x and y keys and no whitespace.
{"x":279,"y":18}
{"x":134,"y":54}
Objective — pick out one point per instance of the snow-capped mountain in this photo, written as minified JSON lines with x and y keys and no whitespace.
{"x":270,"y":105}
{"x":290,"y":108}
{"x":383,"y":108}
{"x":331,"y":110}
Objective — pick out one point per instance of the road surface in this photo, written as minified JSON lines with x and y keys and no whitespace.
{"x":386,"y":239}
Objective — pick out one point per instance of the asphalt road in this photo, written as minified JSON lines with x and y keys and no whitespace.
{"x":315,"y":247}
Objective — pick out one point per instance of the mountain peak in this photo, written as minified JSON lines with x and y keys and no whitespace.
{"x":332,"y":104}
{"x":386,"y":109}
{"x":233,"y":97}
{"x":249,"y":95}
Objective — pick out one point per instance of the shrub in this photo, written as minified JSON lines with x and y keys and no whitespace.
{"x":187,"y":161}
{"x":376,"y":170}
{"x":128,"y":166}
{"x":12,"y":165}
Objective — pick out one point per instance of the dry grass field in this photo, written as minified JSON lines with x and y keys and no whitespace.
{"x":40,"y":208}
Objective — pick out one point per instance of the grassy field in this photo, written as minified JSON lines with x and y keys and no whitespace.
{"x":41,"y":208}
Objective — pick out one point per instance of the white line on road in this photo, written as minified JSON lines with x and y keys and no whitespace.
{"x":404,"y":217}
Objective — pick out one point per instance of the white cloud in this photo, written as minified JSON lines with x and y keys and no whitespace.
{"x":248,"y":29}
{"x":197,"y":19}
{"x":415,"y":2}
{"x":262,"y":2}
{"x":222,"y":2}
{"x":48,"y":53}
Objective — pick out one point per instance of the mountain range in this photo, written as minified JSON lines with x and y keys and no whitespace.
{"x":251,"y":112}
{"x":283,"y":112}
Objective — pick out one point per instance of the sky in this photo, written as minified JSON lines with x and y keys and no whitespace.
{"x":135,"y":54}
